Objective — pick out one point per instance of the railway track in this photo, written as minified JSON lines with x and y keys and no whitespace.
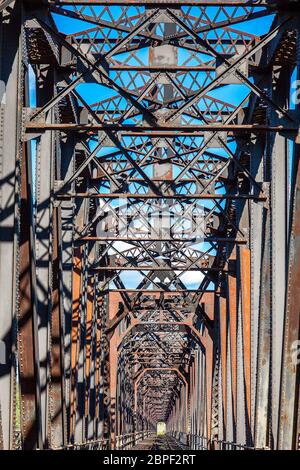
{"x":160,"y":443}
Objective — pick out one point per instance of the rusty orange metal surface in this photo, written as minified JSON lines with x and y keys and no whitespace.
{"x":77,"y":268}
{"x":209,"y":377}
{"x":57,"y":387}
{"x":232,"y":298}
{"x":89,"y":324}
{"x":27,"y":324}
{"x":246,"y":316}
{"x":223,"y":336}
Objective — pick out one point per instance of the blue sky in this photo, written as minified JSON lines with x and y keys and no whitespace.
{"x":93,"y":92}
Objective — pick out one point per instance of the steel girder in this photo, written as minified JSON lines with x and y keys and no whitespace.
{"x":149,"y":251}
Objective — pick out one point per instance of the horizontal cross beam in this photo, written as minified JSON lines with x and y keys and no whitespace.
{"x":156,"y":131}
{"x":161,"y":196}
{"x":164,"y":291}
{"x":164,"y":2}
{"x":156,"y":268}
{"x":161,"y":239}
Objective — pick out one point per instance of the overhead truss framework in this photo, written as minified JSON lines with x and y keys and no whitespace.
{"x":150,"y":207}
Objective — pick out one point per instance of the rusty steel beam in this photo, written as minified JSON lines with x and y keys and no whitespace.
{"x":153,"y":239}
{"x":223,"y":341}
{"x":27,"y":322}
{"x":88,"y":406}
{"x":160,"y":196}
{"x":158,"y":68}
{"x":246,"y":318}
{"x":77,"y":279}
{"x":57,"y":390}
{"x":160,"y":130}
{"x":232,"y":297}
{"x":156,"y":268}
{"x":155,"y":3}
{"x":163,"y":291}
{"x":289,"y":431}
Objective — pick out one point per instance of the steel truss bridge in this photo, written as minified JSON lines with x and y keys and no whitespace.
{"x":150,"y":237}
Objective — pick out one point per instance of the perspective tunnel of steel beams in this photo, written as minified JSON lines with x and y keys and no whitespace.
{"x":150,"y":209}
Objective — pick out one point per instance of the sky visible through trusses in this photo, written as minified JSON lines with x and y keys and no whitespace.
{"x":93,"y":92}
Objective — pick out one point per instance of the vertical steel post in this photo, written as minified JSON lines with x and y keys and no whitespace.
{"x":57,"y":385}
{"x":289,"y":430}
{"x":10,"y":128}
{"x":44,"y":186}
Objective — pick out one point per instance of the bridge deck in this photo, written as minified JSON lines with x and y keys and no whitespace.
{"x":160,"y":443}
